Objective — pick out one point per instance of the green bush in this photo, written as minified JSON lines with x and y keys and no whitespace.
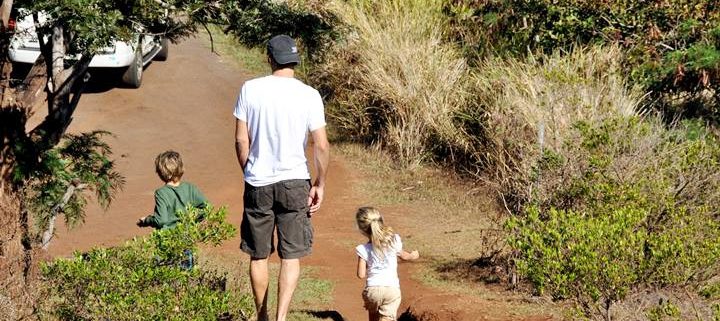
{"x":254,"y":22}
{"x":628,"y":207}
{"x":144,"y":280}
{"x":672,"y":47}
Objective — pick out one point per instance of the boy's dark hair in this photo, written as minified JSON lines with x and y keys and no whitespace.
{"x":169,"y":166}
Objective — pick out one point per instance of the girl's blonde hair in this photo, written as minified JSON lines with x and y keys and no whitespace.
{"x":169,"y":166}
{"x":371,"y":224}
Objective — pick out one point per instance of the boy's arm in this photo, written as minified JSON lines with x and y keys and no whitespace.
{"x":161,"y":216}
{"x":361,"y":268}
{"x":199,"y":199}
{"x":409,"y":256}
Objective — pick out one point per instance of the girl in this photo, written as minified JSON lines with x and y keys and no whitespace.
{"x":377,"y":261}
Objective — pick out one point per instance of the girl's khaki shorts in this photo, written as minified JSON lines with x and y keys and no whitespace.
{"x":383,"y":299}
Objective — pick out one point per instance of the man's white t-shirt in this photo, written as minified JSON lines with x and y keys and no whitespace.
{"x":381,"y":272}
{"x":279,"y":112}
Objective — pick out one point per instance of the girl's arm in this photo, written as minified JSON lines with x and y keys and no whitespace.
{"x":409,"y":256}
{"x":361,"y":268}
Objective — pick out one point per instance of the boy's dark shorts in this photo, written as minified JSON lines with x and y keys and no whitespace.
{"x":282,"y":205}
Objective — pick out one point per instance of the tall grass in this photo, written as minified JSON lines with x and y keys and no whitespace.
{"x":396,"y":82}
{"x":531,"y":105}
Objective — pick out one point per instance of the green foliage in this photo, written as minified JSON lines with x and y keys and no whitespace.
{"x":603,"y":223}
{"x":143,"y":280}
{"x":664,"y":311}
{"x":672,"y":47}
{"x":568,"y":254}
{"x":711,"y":291}
{"x":254,"y":22}
{"x":82,"y":163}
{"x":95,"y":24}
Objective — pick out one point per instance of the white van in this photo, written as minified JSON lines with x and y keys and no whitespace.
{"x":131,"y":58}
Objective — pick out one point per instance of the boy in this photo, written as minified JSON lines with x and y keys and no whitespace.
{"x":174,"y":195}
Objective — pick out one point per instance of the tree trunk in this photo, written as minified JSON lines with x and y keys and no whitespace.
{"x":17,"y":269}
{"x":16,"y":265}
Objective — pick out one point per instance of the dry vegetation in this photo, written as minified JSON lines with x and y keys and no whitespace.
{"x":532,"y":105}
{"x":394,"y":81}
{"x":552,"y":133}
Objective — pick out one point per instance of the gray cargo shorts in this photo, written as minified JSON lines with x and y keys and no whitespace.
{"x":282,"y":205}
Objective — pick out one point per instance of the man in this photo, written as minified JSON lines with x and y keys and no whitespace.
{"x":274,"y":114}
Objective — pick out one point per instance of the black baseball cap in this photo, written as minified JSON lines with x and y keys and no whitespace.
{"x":283,"y":50}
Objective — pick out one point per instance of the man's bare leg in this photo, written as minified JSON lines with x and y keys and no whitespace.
{"x":259,"y":281}
{"x":287,"y":282}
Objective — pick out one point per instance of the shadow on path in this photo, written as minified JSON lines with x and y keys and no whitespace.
{"x":332,"y":315}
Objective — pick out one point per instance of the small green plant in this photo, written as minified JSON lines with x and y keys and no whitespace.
{"x":144,"y":279}
{"x":711,"y":291}
{"x":664,"y":311}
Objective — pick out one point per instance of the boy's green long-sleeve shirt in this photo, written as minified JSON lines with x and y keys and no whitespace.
{"x":169,"y":199}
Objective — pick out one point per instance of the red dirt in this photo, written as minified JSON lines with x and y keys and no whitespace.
{"x":186,"y":104}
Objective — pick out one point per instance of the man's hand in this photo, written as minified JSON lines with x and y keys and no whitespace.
{"x":315,"y":198}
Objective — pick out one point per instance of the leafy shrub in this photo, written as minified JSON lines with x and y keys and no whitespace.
{"x":627,"y":205}
{"x":143,"y":280}
{"x":673,"y":47}
{"x":254,"y":22}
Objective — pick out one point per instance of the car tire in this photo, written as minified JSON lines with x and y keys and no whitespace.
{"x":133,"y":75}
{"x":162,"y":55}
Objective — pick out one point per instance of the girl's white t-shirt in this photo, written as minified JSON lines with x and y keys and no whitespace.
{"x":381,"y":272}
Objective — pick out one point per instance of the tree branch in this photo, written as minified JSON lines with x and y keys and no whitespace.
{"x":72,"y":74}
{"x":50,"y":231}
{"x":212,"y":41}
{"x":33,"y":85}
{"x":48,"y":132}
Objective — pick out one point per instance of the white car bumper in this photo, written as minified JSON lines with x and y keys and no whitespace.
{"x":122,"y":56}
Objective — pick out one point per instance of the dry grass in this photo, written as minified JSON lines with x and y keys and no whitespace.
{"x":394,"y":80}
{"x":532,"y":105}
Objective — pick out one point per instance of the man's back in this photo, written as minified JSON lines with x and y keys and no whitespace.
{"x":279,"y":111}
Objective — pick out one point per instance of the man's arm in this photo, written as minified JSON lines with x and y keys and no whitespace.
{"x":321,"y":154}
{"x":242,"y":142}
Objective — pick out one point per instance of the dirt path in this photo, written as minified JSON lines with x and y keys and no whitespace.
{"x":185,"y":104}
